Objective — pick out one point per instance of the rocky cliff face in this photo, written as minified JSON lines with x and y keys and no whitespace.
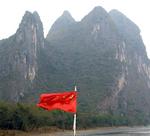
{"x":19,"y":56}
{"x":135,"y":93}
{"x":103,"y":55}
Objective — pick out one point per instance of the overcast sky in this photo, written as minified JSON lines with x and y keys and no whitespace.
{"x":11,"y":12}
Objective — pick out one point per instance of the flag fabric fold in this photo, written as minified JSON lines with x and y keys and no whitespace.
{"x":66,"y":101}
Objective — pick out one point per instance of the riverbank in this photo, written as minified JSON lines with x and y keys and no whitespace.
{"x":34,"y":132}
{"x":59,"y":132}
{"x":53,"y":131}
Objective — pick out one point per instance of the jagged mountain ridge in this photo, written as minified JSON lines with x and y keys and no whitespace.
{"x":101,"y":54}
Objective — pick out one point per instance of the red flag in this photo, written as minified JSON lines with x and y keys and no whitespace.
{"x":65,"y":101}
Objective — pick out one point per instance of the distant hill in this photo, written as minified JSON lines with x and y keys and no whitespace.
{"x":103,"y":55}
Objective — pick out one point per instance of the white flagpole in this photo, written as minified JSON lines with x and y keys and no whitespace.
{"x":75,"y":117}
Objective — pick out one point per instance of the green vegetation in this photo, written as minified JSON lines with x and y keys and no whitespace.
{"x":27,"y":117}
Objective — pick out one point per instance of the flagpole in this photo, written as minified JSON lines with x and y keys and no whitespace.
{"x":75,"y":118}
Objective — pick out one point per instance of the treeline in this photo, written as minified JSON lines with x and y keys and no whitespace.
{"x":27,"y":117}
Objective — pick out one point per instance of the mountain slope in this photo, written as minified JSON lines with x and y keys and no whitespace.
{"x":61,"y":26}
{"x":87,"y":57}
{"x":18,"y":56}
{"x":136,"y":92}
{"x":103,"y":54}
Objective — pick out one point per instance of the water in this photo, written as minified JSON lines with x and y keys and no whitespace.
{"x":120,"y":131}
{"x":135,"y":131}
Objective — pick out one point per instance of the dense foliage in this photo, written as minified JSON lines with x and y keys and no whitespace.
{"x":27,"y":117}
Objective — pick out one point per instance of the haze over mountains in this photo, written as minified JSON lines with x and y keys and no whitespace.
{"x":103,"y":55}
